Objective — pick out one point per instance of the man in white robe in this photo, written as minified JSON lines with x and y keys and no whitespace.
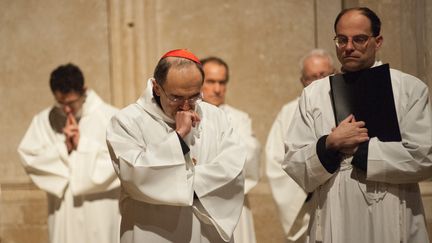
{"x":364,"y":190}
{"x":179,"y":161}
{"x":214,"y":89}
{"x":289,"y":197}
{"x":65,"y":154}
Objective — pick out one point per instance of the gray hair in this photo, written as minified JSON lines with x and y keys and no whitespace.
{"x":315,"y":53}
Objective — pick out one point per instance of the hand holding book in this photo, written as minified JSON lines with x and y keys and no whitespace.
{"x":368,"y":95}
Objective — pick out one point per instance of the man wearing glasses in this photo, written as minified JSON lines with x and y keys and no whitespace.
{"x":179,"y":161}
{"x":65,"y":154}
{"x":214,"y":89}
{"x":364,"y":189}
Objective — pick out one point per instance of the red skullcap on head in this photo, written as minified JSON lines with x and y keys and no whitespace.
{"x":182,"y":53}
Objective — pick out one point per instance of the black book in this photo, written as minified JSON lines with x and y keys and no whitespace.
{"x":368,"y":95}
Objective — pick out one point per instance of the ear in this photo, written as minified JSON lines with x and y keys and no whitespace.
{"x":156,"y":87}
{"x":378,"y":40}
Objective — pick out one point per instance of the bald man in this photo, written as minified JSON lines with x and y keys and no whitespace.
{"x":179,"y":162}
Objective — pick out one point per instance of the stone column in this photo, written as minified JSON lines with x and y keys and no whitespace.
{"x":132,"y":46}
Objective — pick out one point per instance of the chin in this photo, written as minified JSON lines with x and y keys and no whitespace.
{"x":213,"y":102}
{"x":351,"y":66}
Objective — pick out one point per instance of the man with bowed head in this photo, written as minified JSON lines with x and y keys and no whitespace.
{"x":179,"y":160}
{"x":364,"y":189}
{"x":289,"y":197}
{"x":214,"y":89}
{"x":65,"y":154}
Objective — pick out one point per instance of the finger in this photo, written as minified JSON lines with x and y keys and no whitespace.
{"x":67,"y":134}
{"x":74,"y":131}
{"x":347,"y":119}
{"x":360,"y":124}
{"x":69,"y":119}
{"x":363,"y":130}
{"x":197,"y":118}
{"x":73,"y":120}
{"x":362,"y":137}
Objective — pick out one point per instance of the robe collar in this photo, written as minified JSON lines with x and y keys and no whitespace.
{"x":148,"y":102}
{"x":92,"y":103}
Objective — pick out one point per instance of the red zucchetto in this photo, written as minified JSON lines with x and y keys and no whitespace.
{"x":182,"y":53}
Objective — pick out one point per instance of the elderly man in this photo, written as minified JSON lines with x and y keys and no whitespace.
{"x":65,"y":154}
{"x":364,"y":189}
{"x":288,"y":196}
{"x":179,"y":161}
{"x":214,"y":89}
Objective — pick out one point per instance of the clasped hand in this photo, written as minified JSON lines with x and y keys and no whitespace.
{"x":71,"y":131}
{"x":347,"y":136}
{"x":185,"y":120}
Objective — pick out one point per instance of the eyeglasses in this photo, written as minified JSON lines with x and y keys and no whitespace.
{"x":358,"y":41}
{"x":73,"y":103}
{"x":180,"y":100}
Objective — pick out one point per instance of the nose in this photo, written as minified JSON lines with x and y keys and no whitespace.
{"x":217,"y":88}
{"x":349,"y":45}
{"x":185,"y":106}
{"x":67,"y":109}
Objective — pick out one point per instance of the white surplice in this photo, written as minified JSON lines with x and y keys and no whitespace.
{"x":82,"y":187}
{"x":383,"y":205}
{"x":287,"y":194}
{"x":241,"y":122}
{"x":159,"y":182}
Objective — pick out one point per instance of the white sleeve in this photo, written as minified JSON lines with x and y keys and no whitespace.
{"x":253,"y":148}
{"x":288,"y":196}
{"x":301,"y":160}
{"x":408,"y":161}
{"x":219,"y":183}
{"x":44,"y":159}
{"x":150,"y":171}
{"x":91,"y":170}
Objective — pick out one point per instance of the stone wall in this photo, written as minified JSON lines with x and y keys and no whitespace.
{"x":36,"y":37}
{"x":23,"y":213}
{"x":117,"y":44}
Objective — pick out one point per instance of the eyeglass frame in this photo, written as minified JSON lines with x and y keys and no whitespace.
{"x":354,"y":43}
{"x":178,"y":101}
{"x":72,"y":103}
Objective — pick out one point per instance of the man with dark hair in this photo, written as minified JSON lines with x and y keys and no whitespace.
{"x":179,"y":161}
{"x":214,"y":90}
{"x":364,"y":189}
{"x":289,"y":197}
{"x":65,"y":154}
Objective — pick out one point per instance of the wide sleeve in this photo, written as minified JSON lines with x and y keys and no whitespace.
{"x":44,"y":157}
{"x":253,"y":148}
{"x":152,"y":170}
{"x":410,"y":160}
{"x":91,"y":170}
{"x":301,"y":161}
{"x":219,"y":182}
{"x":288,"y":196}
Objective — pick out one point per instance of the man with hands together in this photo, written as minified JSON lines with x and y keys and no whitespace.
{"x":346,"y":137}
{"x":363,"y":189}
{"x":65,"y":154}
{"x":179,"y":160}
